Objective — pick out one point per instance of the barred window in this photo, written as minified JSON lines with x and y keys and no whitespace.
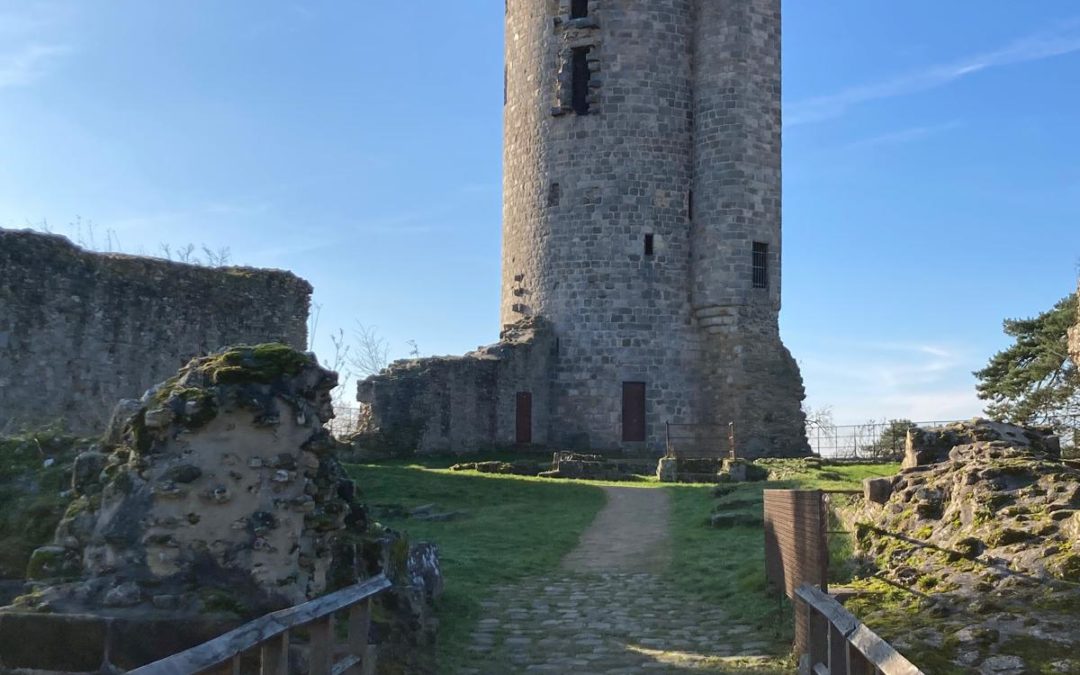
{"x":761,"y":265}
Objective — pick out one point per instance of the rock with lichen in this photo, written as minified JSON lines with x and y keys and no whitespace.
{"x":984,"y":541}
{"x":934,"y":445}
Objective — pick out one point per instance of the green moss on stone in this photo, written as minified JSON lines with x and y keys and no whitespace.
{"x":261,"y":364}
{"x":1006,"y":536}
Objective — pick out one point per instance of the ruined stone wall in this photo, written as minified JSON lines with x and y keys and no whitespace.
{"x":461,"y":404}
{"x":79,"y":330}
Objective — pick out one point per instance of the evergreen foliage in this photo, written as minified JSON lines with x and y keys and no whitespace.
{"x":1034,"y":381}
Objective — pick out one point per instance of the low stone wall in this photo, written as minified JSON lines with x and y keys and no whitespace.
{"x":80,"y":330}
{"x":460,"y":404}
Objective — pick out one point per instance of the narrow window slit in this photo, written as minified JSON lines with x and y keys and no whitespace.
{"x":649,"y":244}
{"x":581,"y":75}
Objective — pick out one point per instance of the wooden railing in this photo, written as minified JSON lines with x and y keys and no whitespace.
{"x":270,"y":636}
{"x":839,"y":644}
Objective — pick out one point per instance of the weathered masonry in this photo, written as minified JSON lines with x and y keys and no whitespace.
{"x":641,"y":220}
{"x":80,"y":330}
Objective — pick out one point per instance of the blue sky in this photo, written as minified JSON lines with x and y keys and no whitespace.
{"x":932,"y":185}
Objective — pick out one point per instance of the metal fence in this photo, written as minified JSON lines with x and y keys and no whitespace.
{"x":345,"y":422}
{"x":886,"y":439}
{"x":872,"y":440}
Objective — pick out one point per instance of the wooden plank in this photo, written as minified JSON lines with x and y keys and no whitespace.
{"x":321,"y":647}
{"x":274,"y":659}
{"x":346,"y":666}
{"x":838,"y":648}
{"x":829,"y":608}
{"x":368,"y":667}
{"x":220,"y":650}
{"x":359,"y":628}
{"x":881,"y":653}
{"x":857,"y":663}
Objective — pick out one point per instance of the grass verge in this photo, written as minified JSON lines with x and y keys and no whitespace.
{"x":515,"y":527}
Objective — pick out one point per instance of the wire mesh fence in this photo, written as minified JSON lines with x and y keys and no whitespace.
{"x":885,"y":440}
{"x":346,"y":421}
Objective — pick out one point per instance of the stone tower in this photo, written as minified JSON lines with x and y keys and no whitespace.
{"x":641,"y":218}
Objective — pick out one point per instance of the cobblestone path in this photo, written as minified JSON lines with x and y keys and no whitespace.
{"x":609,"y":609}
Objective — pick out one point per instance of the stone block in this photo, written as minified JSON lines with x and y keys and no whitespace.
{"x":877,"y":490}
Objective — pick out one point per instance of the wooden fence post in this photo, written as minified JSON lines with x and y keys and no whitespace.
{"x":321,"y":653}
{"x":274,"y":659}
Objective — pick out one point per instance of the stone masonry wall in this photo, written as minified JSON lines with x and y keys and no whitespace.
{"x":79,"y":330}
{"x":460,"y":404}
{"x":681,"y":144}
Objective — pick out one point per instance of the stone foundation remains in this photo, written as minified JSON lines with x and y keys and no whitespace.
{"x":80,"y":330}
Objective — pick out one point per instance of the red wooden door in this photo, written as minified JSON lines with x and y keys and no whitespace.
{"x":633,"y":412}
{"x":524,"y":417}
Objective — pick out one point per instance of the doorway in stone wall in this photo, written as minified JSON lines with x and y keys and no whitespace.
{"x":633,"y":412}
{"x":524,"y":417}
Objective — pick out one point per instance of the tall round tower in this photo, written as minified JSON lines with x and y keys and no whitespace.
{"x":641,"y":217}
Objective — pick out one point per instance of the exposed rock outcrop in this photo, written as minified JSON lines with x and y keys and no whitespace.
{"x":934,"y":445}
{"x":986,"y":539}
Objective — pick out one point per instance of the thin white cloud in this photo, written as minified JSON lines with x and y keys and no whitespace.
{"x":903,"y":136}
{"x":1064,"y":39}
{"x":28,"y":64}
{"x":892,"y":380}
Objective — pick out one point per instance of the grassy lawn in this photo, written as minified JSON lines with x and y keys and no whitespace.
{"x":516,"y":527}
{"x":727,"y":566}
{"x":520,"y":527}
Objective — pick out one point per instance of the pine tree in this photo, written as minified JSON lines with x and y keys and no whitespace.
{"x":1034,"y":381}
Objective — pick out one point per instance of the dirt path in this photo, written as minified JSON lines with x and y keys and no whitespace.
{"x":610,"y":608}
{"x":629,"y":535}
